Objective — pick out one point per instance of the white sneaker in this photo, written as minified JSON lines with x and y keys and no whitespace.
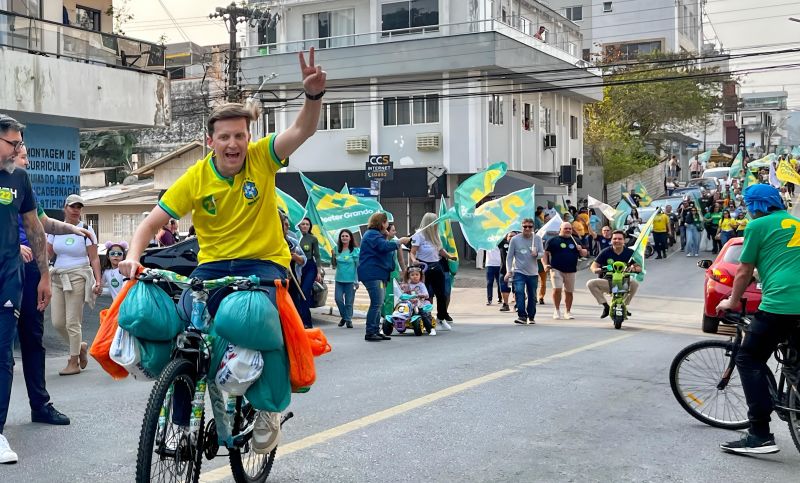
{"x":556,"y":314}
{"x":432,"y":332}
{"x":6,"y":455}
{"x":688,"y":254}
{"x":568,"y":316}
{"x":445,"y":325}
{"x":266,"y":431}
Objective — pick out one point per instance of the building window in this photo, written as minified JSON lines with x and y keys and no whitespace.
{"x":125,"y":225}
{"x":422,"y":109}
{"x":631,"y":51}
{"x":544,"y":119}
{"x":329,"y":29}
{"x":336,"y":115}
{"x":269,"y":120}
{"x":526,"y":119}
{"x":587,"y":55}
{"x":606,"y":7}
{"x":31,"y":8}
{"x":409,"y":16}
{"x":496,"y":110}
{"x":93,"y":220}
{"x":574,"y":13}
{"x":87,"y":18}
{"x":267,"y":34}
{"x":573,"y":127}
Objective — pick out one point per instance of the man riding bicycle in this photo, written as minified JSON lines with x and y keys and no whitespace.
{"x":770,"y":245}
{"x":231,"y":196}
{"x":617,"y":252}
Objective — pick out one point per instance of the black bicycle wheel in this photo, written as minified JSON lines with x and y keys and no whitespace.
{"x":167,"y":454}
{"x":248,"y":466}
{"x":793,"y":404}
{"x":694,"y":375}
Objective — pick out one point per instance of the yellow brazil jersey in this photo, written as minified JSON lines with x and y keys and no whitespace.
{"x":235,"y":218}
{"x":728,"y":224}
{"x":660,"y":223}
{"x":741,"y":224}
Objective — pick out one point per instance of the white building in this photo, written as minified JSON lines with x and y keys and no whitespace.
{"x":764,"y":117}
{"x":628,"y":28}
{"x":444,"y":87}
{"x":64,"y":71}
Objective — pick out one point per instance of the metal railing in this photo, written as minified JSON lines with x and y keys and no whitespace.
{"x":566,"y":42}
{"x":37,"y":36}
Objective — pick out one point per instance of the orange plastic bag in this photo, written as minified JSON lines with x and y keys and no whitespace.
{"x":318,"y":341}
{"x":105,"y":335}
{"x":301,"y":359}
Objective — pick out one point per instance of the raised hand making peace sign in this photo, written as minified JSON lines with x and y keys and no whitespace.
{"x":313,"y":75}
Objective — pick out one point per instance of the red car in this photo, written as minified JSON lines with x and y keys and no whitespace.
{"x":719,"y":282}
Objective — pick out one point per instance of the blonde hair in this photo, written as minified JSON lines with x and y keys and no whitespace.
{"x":430,"y":233}
{"x":233,"y":110}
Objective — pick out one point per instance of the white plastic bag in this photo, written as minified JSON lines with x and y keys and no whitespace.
{"x":125,"y":351}
{"x":239,"y":369}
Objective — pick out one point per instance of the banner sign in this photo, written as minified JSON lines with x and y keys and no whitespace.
{"x":54,"y":163}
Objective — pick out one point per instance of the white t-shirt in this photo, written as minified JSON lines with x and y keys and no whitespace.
{"x":493,"y":258}
{"x":71,"y":249}
{"x":113,"y":280}
{"x":426,"y":252}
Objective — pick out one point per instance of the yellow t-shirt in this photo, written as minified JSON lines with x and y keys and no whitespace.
{"x":660,"y":223}
{"x":728,"y":224}
{"x":235,"y":218}
{"x":741,"y":224}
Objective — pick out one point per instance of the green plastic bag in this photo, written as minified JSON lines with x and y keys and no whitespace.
{"x":154,"y":356}
{"x":149,"y":313}
{"x":272,"y":391}
{"x":249,"y":319}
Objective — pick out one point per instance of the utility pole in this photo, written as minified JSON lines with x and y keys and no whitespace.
{"x":233,"y":15}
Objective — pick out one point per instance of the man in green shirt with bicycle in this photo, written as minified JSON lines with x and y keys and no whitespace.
{"x":231,"y":196}
{"x":772,"y":246}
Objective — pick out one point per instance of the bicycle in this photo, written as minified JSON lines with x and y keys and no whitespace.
{"x":179,"y":448}
{"x":704,"y":381}
{"x":619,"y":280}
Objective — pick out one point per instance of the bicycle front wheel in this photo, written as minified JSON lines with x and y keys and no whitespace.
{"x":794,"y":415}
{"x":166,"y":450}
{"x":694,"y":375}
{"x":247,"y":466}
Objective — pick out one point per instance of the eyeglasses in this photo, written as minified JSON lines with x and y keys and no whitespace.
{"x":115,"y":254}
{"x":527,"y":226}
{"x":17,"y":145}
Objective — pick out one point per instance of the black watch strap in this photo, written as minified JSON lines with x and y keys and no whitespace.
{"x":316,"y":97}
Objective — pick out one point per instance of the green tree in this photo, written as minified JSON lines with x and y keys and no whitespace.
{"x":107,"y":149}
{"x":641,"y":101}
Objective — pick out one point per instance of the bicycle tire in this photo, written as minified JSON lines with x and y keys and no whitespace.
{"x":794,"y":416}
{"x":240,"y":473}
{"x":701,"y":380}
{"x":177,"y":369}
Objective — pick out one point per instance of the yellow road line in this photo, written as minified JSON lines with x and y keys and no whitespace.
{"x":223,"y":472}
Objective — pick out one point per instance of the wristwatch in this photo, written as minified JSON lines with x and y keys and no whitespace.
{"x":315,"y":97}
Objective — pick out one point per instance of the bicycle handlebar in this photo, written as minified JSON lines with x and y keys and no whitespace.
{"x":736,"y":317}
{"x":196,"y":284}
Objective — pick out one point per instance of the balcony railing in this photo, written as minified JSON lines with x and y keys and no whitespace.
{"x":37,"y":36}
{"x":519,"y":28}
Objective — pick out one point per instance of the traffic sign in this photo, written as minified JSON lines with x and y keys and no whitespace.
{"x":379,"y":167}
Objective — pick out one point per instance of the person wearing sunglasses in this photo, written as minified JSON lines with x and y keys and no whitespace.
{"x":524,"y":252}
{"x":112,"y":278}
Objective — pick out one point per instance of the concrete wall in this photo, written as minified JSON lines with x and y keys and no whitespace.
{"x":166,"y":174}
{"x":61,"y":92}
{"x":652,"y":178}
{"x":93,"y":180}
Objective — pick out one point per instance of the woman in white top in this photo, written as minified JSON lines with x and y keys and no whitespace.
{"x":75,"y":280}
{"x":426,"y":247}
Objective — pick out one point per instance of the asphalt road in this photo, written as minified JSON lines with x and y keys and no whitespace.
{"x":490,"y":401}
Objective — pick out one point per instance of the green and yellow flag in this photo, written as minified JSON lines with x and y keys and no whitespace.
{"x":484,"y":226}
{"x":786,"y":173}
{"x":326,"y":239}
{"x":477,"y":187}
{"x":338,"y":210}
{"x":704,"y":157}
{"x":640,"y":246}
{"x":290,"y":207}
{"x":446,"y":236}
{"x":621,"y":213}
{"x":736,"y":166}
{"x":644,"y":196}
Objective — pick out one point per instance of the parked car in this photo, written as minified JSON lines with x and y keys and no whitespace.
{"x":720,"y":173}
{"x":648,"y":211}
{"x":719,"y":283}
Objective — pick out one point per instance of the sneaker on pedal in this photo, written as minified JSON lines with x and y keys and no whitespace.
{"x":7,"y":456}
{"x":266,"y":431}
{"x":751,"y":444}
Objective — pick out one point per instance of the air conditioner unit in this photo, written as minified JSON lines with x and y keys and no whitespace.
{"x":358,"y":144}
{"x":728,"y":117}
{"x":429,"y":141}
{"x":549,"y":141}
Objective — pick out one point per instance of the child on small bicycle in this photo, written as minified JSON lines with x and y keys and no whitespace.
{"x":414,"y":284}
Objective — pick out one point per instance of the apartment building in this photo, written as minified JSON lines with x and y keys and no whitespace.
{"x":443,"y":87}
